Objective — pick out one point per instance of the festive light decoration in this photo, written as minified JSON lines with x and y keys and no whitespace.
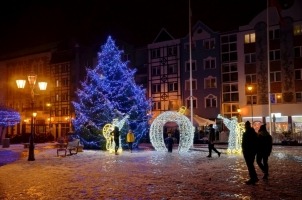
{"x":109,"y":92}
{"x":108,"y":128}
{"x":185,"y":128}
{"x":235,"y":137}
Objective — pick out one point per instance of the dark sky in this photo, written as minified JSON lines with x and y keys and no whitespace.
{"x":33,"y":22}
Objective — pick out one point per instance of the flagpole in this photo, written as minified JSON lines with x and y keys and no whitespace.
{"x":190,"y":60}
{"x":268,"y":69}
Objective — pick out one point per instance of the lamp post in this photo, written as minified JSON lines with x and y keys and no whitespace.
{"x":250,"y":89}
{"x":239,"y":115}
{"x":42,"y":86}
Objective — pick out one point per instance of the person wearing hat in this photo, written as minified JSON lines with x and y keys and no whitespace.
{"x":264,"y":150}
{"x":249,"y":150}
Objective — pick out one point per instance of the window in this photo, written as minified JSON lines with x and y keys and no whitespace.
{"x":274,"y":34}
{"x":250,"y":58}
{"x":250,"y":78}
{"x":274,"y":55}
{"x":210,"y":82}
{"x":250,"y":38}
{"x":188,"y":102}
{"x":298,"y":96}
{"x":155,"y":53}
{"x":298,"y":51}
{"x":276,"y":98}
{"x":229,"y":72}
{"x":172,"y":69}
{"x":229,"y":48}
{"x":155,"y":88}
{"x":126,"y":57}
{"x":172,"y":86}
{"x":194,"y":84}
{"x":230,"y":92}
{"x":155,"y":71}
{"x":65,"y":68}
{"x":187,"y":46}
{"x":253,"y":97}
{"x":64,"y":97}
{"x":275,"y":76}
{"x":64,"y":82}
{"x":172,"y":51}
{"x":193,"y":66}
{"x":298,"y":74}
{"x":156,"y":105}
{"x":211,"y":101}
{"x":298,"y":29}
{"x":65,"y":111}
{"x":209,"y":43}
{"x":209,"y":63}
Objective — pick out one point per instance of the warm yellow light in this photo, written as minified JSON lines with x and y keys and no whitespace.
{"x":32,"y":79}
{"x":34,"y":114}
{"x":250,"y":88}
{"x":238,"y":110}
{"x":42,"y":85}
{"x":279,"y":96}
{"x":20,"y":83}
{"x":48,"y":104}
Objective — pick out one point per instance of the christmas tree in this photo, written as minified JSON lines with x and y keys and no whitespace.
{"x":110,"y":92}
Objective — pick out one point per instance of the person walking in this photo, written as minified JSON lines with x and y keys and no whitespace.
{"x":249,"y":150}
{"x":130,"y":139}
{"x":116,"y":137}
{"x":264,"y":149}
{"x":169,"y":142}
{"x":211,"y":142}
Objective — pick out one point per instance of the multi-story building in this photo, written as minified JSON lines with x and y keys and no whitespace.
{"x":269,"y":51}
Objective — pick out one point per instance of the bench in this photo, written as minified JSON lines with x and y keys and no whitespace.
{"x":72,"y":147}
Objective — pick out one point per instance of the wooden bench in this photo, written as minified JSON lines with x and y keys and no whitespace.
{"x":71,"y":146}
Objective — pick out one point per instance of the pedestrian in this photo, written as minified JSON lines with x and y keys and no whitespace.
{"x":264,"y":149}
{"x":211,"y":141}
{"x":249,"y":150}
{"x":116,"y":138}
{"x":169,"y":142}
{"x":130,"y":139}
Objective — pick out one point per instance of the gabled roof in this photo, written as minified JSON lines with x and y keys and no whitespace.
{"x":163,"y":35}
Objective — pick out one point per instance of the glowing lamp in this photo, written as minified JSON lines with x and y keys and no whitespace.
{"x":20,"y":83}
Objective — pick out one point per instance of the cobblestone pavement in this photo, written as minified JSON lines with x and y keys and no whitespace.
{"x":145,"y":174}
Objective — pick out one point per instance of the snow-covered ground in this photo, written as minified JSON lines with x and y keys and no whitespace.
{"x":147,"y":174}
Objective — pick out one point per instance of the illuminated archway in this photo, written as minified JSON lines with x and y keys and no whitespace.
{"x":185,"y":128}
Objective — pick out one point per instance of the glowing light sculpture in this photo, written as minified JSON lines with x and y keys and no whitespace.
{"x":235,"y":136}
{"x":185,"y":128}
{"x":108,"y":128}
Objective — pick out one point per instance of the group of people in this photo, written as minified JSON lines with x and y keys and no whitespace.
{"x":256,"y":146}
{"x":129,"y":139}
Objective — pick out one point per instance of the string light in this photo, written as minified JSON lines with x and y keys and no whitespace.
{"x":185,"y":128}
{"x":235,"y":137}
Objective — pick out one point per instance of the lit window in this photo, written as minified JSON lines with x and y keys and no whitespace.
{"x":250,"y":38}
{"x":276,"y":98}
{"x":298,"y":29}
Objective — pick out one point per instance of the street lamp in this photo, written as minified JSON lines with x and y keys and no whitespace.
{"x":49,"y":122}
{"x":250,"y":88}
{"x":239,"y":115}
{"x":42,"y":86}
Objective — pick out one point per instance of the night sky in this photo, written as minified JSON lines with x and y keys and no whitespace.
{"x":29,"y":23}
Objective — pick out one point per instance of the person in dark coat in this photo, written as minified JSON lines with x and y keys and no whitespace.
{"x":169,"y":142}
{"x":116,"y":137}
{"x":264,"y":149}
{"x":211,"y":142}
{"x":249,"y":150}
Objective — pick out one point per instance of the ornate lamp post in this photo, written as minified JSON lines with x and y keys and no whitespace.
{"x":42,"y":85}
{"x":250,"y":89}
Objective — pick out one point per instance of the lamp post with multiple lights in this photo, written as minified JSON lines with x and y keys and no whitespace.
{"x":250,"y":89}
{"x":42,"y":86}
